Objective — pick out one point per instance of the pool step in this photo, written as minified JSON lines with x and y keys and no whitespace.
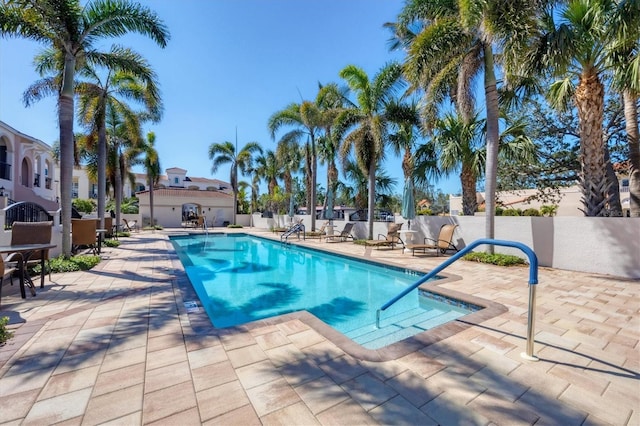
{"x":400,"y":326}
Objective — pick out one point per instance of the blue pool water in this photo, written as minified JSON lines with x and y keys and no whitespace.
{"x":241,"y":278}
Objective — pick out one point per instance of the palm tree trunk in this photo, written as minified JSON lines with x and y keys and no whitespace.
{"x":65,"y":117}
{"x":372,"y":199}
{"x":102,"y":171}
{"x":491,"y":99}
{"x":614,"y":206}
{"x":589,"y":98}
{"x":151,"y":184}
{"x":314,"y":179}
{"x":469,"y":198}
{"x":631,"y":125}
{"x":118,"y":184}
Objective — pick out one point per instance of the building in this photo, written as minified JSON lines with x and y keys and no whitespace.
{"x":27,"y":169}
{"x":570,"y":203}
{"x":178,"y":197}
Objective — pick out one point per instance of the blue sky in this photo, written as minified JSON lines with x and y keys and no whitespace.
{"x":229,"y":64}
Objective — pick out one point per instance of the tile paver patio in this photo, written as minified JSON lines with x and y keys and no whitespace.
{"x":117,"y":345}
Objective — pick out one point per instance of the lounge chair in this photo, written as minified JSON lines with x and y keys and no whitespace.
{"x":441,"y":245}
{"x":130,"y":226}
{"x":83,"y":234}
{"x":390,"y":240}
{"x":30,"y":233}
{"x":343,"y":235}
{"x":317,"y":234}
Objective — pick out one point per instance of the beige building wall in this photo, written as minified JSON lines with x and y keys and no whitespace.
{"x":216,"y":206}
{"x":569,"y":205}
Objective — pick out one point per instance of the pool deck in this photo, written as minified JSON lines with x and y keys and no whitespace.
{"x":116,"y":345}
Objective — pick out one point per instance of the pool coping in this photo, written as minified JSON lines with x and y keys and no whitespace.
{"x":200,"y":323}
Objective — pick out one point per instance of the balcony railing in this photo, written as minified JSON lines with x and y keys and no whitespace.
{"x":36,"y":180}
{"x":47,"y":183}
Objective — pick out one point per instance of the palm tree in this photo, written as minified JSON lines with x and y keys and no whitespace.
{"x":289,"y":155}
{"x":573,"y":49}
{"x":133,"y":80}
{"x":624,"y":29}
{"x":459,"y":146}
{"x":75,"y":30}
{"x":331,"y":100}
{"x":454,"y":43}
{"x":268,"y":168}
{"x":354,"y":189}
{"x":225,"y":152}
{"x":364,"y":125}
{"x":151,"y":163}
{"x":306,"y":120}
{"x":124,"y":140}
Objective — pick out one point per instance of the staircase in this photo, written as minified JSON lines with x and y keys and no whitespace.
{"x":400,"y":326}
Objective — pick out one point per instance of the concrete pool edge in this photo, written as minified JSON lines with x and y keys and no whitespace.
{"x":200,"y":323}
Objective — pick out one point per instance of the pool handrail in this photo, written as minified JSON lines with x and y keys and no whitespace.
{"x":533,"y":280}
{"x":296,"y":228}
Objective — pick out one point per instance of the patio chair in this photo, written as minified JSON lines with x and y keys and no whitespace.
{"x":83,"y":234}
{"x":130,"y":226}
{"x":390,"y":240}
{"x":344,"y":234}
{"x":317,"y":234}
{"x":441,"y":245}
{"x":5,"y":272}
{"x":30,"y":233}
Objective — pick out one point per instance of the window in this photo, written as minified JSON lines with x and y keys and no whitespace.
{"x":74,"y":190}
{"x":176,"y":180}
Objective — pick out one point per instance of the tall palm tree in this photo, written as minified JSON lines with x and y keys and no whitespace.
{"x":132,"y":80}
{"x":364,"y":125}
{"x":454,"y":43}
{"x":305,"y":119}
{"x":225,"y":153}
{"x":268,"y":168}
{"x":124,"y":140}
{"x":75,"y":30}
{"x":151,"y":164}
{"x":331,"y":100}
{"x":572,"y":47}
{"x":290,"y":156}
{"x":624,"y":27}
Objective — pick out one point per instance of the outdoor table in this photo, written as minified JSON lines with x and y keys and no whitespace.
{"x":27,"y":250}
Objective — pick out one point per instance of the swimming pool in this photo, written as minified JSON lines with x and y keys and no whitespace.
{"x":241,"y":278}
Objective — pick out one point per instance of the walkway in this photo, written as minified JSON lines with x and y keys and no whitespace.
{"x":116,"y":345}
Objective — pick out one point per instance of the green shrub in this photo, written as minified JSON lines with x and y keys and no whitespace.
{"x":424,"y":212}
{"x":510,"y":212}
{"x":123,"y":234}
{"x":74,"y":263}
{"x":531,"y":212}
{"x":128,"y":206}
{"x":4,"y":333}
{"x":234,"y":226}
{"x":495,"y":259}
{"x":151,"y":228}
{"x":360,"y":242}
{"x":499,"y":211}
{"x":547,"y":210}
{"x":83,"y":206}
{"x":111,"y":243}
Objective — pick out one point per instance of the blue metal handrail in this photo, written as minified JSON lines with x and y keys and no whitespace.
{"x":533,"y":280}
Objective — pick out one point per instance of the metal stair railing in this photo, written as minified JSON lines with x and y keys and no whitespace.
{"x":295,"y":229}
{"x":533,"y":281}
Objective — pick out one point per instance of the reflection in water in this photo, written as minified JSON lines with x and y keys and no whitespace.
{"x":338,"y":309}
